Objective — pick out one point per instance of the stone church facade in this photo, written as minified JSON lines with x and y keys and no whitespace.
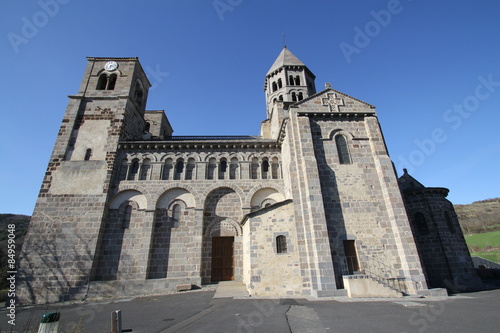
{"x":304,"y":209}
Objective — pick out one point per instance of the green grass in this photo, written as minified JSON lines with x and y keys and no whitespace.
{"x":493,"y":255}
{"x":483,"y":240}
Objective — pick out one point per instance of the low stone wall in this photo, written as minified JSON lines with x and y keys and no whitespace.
{"x":364,"y":286}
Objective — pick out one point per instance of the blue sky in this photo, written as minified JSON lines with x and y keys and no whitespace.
{"x":431,"y":68}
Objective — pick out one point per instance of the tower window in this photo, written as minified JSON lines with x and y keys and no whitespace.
{"x":421,"y":224}
{"x":281,"y":244}
{"x":297,"y":80}
{"x":301,"y":96}
{"x":280,"y":84}
{"x":294,"y":97}
{"x":342,"y":150}
{"x":139,"y":94}
{"x":88,"y":154}
{"x":275,"y":86}
{"x":290,"y":80}
{"x":111,"y":82}
{"x":280,"y":98}
{"x":102,"y":82}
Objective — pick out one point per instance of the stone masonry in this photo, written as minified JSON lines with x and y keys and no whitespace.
{"x":126,"y":208}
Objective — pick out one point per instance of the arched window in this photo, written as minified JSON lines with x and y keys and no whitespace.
{"x":146,"y":165}
{"x":212,"y":164}
{"x":342,"y":149}
{"x":233,"y":168}
{"x":449,"y":222}
{"x":294,"y":97}
{"x":297,"y":80}
{"x":88,"y":154}
{"x":167,"y":169}
{"x":420,"y":224}
{"x":139,"y":94}
{"x":127,"y":215}
{"x":147,"y":127}
{"x":102,"y":82}
{"x":281,"y":244}
{"x":222,"y":168}
{"x":190,"y":169}
{"x":134,"y":168}
{"x":301,"y":96}
{"x":280,"y":84}
{"x":280,"y":98}
{"x":265,"y":168}
{"x":111,"y":82}
{"x":179,"y":167}
{"x":176,"y":215}
{"x":275,"y":86}
{"x":122,"y":175}
{"x":254,"y":168}
{"x":290,"y":80}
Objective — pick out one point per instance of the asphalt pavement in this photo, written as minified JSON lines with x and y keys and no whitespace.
{"x":199,"y":311}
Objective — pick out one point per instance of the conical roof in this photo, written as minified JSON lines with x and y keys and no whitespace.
{"x":285,"y":58}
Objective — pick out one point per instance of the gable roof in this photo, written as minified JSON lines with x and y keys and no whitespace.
{"x":331,"y":90}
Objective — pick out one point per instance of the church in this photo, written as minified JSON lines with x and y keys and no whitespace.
{"x":312,"y":207}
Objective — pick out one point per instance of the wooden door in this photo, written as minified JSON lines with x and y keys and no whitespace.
{"x":222,"y":258}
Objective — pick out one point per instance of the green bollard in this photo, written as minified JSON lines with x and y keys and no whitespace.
{"x":49,"y":323}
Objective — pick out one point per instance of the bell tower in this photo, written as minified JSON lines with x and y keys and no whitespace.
{"x":71,"y":207}
{"x":288,"y":80}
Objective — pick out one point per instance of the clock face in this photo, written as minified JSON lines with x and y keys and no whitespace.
{"x":111,"y":66}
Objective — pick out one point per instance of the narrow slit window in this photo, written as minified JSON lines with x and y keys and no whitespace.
{"x":88,"y":154}
{"x":342,"y":149}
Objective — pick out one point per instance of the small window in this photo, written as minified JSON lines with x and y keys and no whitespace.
{"x":421,"y":224}
{"x":176,"y":214}
{"x":275,"y":86}
{"x":294,"y":97}
{"x":281,"y":244}
{"x":147,"y":127}
{"x":127,"y":215}
{"x":280,"y":84}
{"x":301,"y":96}
{"x":88,"y":154}
{"x":342,"y":150}
{"x":297,"y":80}
{"x":290,"y":80}
{"x":222,"y":169}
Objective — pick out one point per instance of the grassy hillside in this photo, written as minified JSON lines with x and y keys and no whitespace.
{"x":486,"y":245}
{"x":479,"y":216}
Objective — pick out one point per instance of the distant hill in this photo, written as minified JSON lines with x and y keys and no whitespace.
{"x":21,"y":222}
{"x":479,"y":216}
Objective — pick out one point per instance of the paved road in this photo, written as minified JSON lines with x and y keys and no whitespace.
{"x":200,"y":312}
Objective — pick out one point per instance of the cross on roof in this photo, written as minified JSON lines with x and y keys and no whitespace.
{"x":333,"y":101}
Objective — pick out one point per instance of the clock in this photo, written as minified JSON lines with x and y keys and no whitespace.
{"x":111,"y":66}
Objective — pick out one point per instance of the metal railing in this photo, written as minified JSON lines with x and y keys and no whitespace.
{"x":383,"y":273}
